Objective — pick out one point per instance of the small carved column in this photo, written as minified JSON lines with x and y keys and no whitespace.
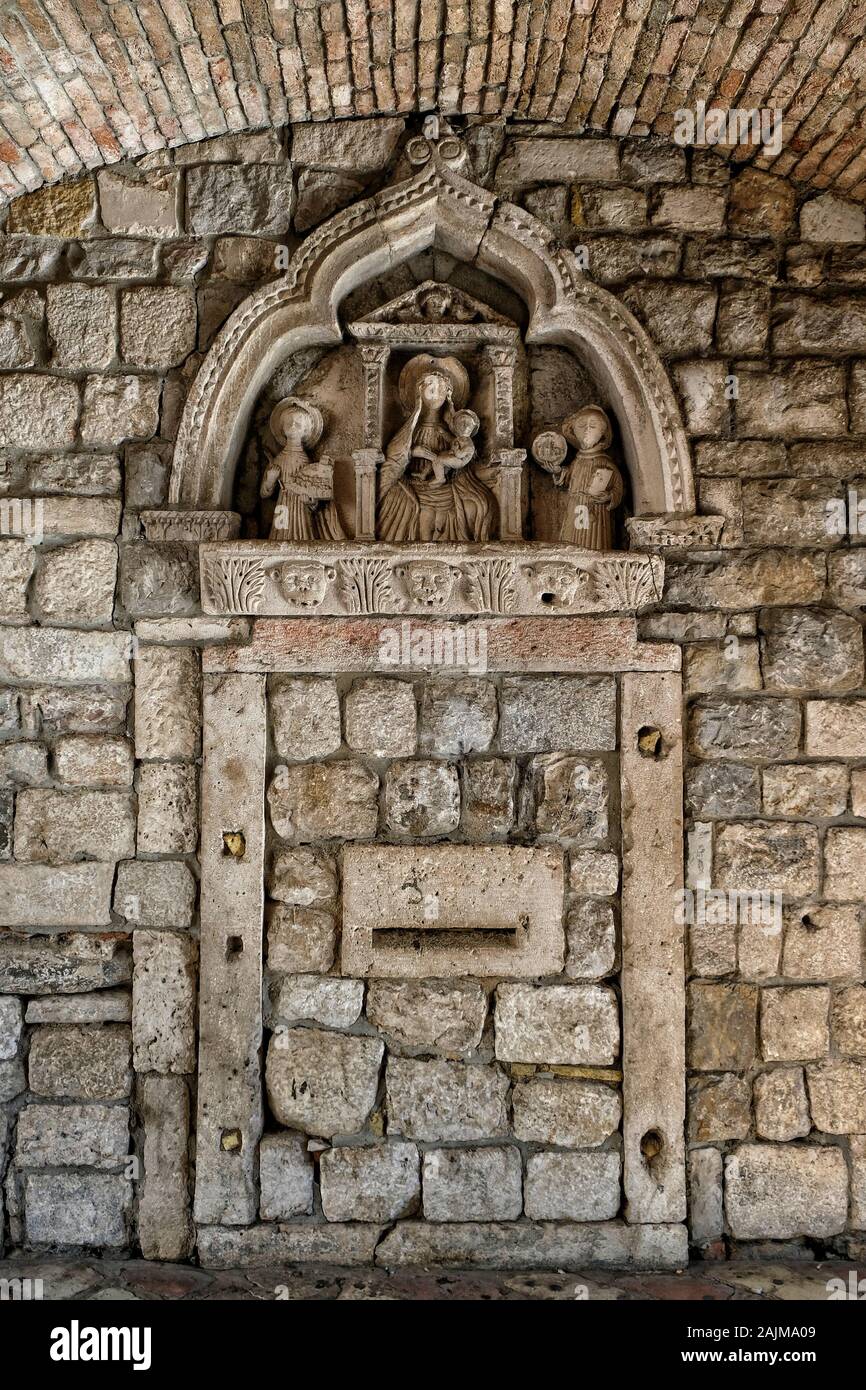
{"x":502,"y":361}
{"x":510,"y":472}
{"x":367,"y":464}
{"x":375,"y":359}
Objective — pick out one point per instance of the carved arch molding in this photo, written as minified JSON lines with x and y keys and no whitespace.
{"x":439,"y":208}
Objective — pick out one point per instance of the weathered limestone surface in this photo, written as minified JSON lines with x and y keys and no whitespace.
{"x":163,"y":1002}
{"x":72,"y":1136}
{"x":445,"y":1100}
{"x":286,"y":1177}
{"x":534,"y":1245}
{"x":370,"y":1183}
{"x":776,"y":1191}
{"x":481,"y":1184}
{"x":70,"y":963}
{"x":87,"y":1063}
{"x":573,"y":1187}
{"x":91,"y":1209}
{"x":569,"y":1114}
{"x":321,"y":1082}
{"x":439,"y":1016}
{"x":164,"y":1226}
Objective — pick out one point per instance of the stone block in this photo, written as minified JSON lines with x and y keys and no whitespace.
{"x":558,"y":713}
{"x":11,"y":1023}
{"x":370,"y":1182}
{"x":157,"y":326}
{"x":155,"y":894}
{"x":422,"y":798}
{"x":837,"y":1095}
{"x":445,"y":1100}
{"x":558,"y":160}
{"x":23,"y":764}
{"x":591,"y":938}
{"x":72,"y":1136}
{"x":359,"y":146}
{"x":739,"y":582}
{"x":167,"y":808}
{"x":17,"y":559}
{"x":60,"y":826}
{"x":533,"y":1245}
{"x":306,"y":717}
{"x":711,"y":668}
{"x":594,"y":873}
{"x":333,"y":1003}
{"x":82,"y":325}
{"x":38,"y":412}
{"x":747,"y":730}
{"x":473,"y":1184}
{"x":566,"y":1025}
{"x":571,"y":799}
{"x":163,"y":1002}
{"x":300,"y":939}
{"x":767,"y":857}
{"x":835,"y":728}
{"x":322,"y":1083}
{"x":286,"y":1177}
{"x":302,"y":877}
{"x":805,"y":790}
{"x":167,"y":702}
{"x":66,"y":964}
{"x":691,"y":209}
{"x":803,"y":400}
{"x":781,"y":1106}
{"x":823,"y":943}
{"x":488,"y":798}
{"x":254,"y":199}
{"x":91,"y":1209}
{"x":429,"y":1015}
{"x":829,"y":218}
{"x":58,"y":210}
{"x":573,"y":1186}
{"x":79,"y":1061}
{"x":706,"y":1221}
{"x":118,"y":408}
{"x":381,"y":718}
{"x":720,"y":1108}
{"x":93,"y":760}
{"x":458,"y":717}
{"x":569,"y":1114}
{"x":100,"y":1006}
{"x":443,"y":910}
{"x":158,"y":580}
{"x":802,"y":651}
{"x":164,"y":1226}
{"x":60,"y":895}
{"x":723,"y":789}
{"x":845,"y":864}
{"x":722,"y":1027}
{"x":848,"y":1020}
{"x":347,"y":1244}
{"x":321,"y":801}
{"x":139,"y":203}
{"x":780,"y":1191}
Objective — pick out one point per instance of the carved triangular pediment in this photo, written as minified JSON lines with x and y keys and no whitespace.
{"x":432,"y":303}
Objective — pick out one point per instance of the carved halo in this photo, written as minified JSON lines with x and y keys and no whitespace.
{"x":316,"y":426}
{"x":424,"y":364}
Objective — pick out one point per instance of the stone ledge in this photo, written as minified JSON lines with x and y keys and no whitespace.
{"x":570,"y":645}
{"x":279,"y":577}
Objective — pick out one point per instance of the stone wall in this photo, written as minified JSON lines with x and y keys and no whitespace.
{"x":113,"y":287}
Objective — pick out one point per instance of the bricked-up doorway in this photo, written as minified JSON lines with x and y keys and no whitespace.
{"x":590,"y":687}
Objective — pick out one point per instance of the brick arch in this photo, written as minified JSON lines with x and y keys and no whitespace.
{"x":437,"y":207}
{"x":84,"y":85}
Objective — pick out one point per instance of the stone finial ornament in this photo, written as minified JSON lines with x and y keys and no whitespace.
{"x":595,"y":483}
{"x":305,"y":508}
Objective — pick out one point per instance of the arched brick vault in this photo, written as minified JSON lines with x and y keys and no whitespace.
{"x":89,"y":82}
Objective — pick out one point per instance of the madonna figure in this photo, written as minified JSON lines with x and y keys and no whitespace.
{"x":428,"y":488}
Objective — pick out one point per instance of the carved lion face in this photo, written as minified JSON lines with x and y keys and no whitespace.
{"x":303,"y":583}
{"x":428,"y":582}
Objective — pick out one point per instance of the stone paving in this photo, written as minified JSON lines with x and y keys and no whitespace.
{"x":109,"y":1280}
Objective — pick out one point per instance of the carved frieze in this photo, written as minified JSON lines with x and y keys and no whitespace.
{"x":271,"y":578}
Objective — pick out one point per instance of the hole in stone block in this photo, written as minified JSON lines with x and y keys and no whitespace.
{"x":231,"y":1141}
{"x":649,"y":742}
{"x":234,"y":843}
{"x":651,"y":1147}
{"x":548,"y":598}
{"x":234,"y":946}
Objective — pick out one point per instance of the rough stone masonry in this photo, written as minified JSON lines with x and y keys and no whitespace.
{"x":455,"y":1117}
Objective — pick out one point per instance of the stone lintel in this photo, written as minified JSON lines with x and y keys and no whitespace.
{"x":232,"y":905}
{"x":191,"y":527}
{"x":675,"y":532}
{"x":567,"y":645}
{"x":652,"y":979}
